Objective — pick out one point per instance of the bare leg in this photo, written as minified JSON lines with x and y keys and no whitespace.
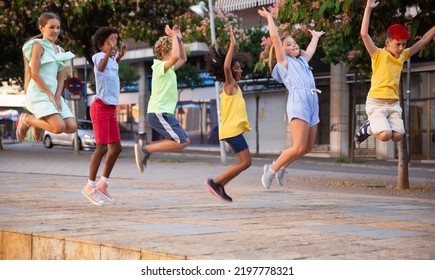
{"x":384,"y":135}
{"x":96,"y":159}
{"x":235,"y":169}
{"x":166,"y":145}
{"x":53,"y":123}
{"x":303,"y":141}
{"x":114,"y":151}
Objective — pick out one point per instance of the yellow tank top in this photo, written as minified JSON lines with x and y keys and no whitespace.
{"x":234,"y":116}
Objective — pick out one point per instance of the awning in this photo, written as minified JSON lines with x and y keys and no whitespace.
{"x":235,"y":5}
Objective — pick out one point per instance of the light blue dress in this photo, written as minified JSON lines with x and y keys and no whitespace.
{"x":37,"y":101}
{"x":302,"y":101}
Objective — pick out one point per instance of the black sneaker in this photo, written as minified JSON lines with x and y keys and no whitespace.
{"x":140,"y":154}
{"x":227,"y":197}
{"x":363,"y":133}
{"x":217,"y":190}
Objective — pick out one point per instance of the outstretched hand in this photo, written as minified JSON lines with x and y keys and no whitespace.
{"x":317,"y":34}
{"x":177,"y":31}
{"x":264,"y":13}
{"x":169,"y":31}
{"x":372,"y":3}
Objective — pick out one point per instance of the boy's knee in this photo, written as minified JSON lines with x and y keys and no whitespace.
{"x":397,"y":137}
{"x":384,"y":136}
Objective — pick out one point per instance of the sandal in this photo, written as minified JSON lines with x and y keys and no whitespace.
{"x":22,"y":127}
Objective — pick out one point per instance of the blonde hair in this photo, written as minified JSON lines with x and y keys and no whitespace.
{"x":42,"y":21}
{"x":272,"y":54}
{"x":162,"y":47}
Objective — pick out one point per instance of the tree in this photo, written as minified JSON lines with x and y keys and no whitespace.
{"x":140,"y":20}
{"x":341,"y":20}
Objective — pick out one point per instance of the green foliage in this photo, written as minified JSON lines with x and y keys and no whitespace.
{"x":188,"y":75}
{"x":127,"y":74}
{"x":341,"y":20}
{"x":140,"y":20}
{"x":197,"y":29}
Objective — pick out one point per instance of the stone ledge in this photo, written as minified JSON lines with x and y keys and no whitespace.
{"x":16,"y":245}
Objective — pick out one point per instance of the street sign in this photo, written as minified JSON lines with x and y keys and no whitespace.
{"x":74,"y":86}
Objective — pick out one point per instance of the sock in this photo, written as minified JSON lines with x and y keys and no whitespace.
{"x":105,"y":179}
{"x":90,"y":182}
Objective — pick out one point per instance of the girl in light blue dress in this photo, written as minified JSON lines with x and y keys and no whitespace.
{"x":292,"y":69}
{"x":44,"y":64}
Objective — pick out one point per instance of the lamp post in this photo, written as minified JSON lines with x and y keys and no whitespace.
{"x":201,"y":10}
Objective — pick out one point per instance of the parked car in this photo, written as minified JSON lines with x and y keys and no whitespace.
{"x":86,"y":138}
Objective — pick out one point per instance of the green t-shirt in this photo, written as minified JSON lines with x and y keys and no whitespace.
{"x":164,"y":92}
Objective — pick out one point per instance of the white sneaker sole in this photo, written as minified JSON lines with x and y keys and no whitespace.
{"x":263,"y":177}
{"x":91,"y":200}
{"x":137,"y":158}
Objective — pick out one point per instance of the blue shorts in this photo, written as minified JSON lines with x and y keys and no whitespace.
{"x":237,"y":143}
{"x":303,"y":104}
{"x":167,"y":126}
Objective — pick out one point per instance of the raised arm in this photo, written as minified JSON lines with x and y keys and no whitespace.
{"x":230,"y":82}
{"x":182,"y":51}
{"x":311,"y":49}
{"x":274,"y":36}
{"x":175,"y":52}
{"x":367,"y":40}
{"x":427,"y":37}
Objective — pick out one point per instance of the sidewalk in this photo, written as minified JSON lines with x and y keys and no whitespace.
{"x":325,"y":210}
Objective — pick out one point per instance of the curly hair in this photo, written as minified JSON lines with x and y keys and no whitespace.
{"x":214,"y":62}
{"x":162,"y":47}
{"x":101,"y":36}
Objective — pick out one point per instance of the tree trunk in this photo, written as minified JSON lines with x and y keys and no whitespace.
{"x":402,"y":168}
{"x":257,"y":132}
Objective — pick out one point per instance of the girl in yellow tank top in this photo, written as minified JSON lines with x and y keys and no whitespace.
{"x":227,"y":69}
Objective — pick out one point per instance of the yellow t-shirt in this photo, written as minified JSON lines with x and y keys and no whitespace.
{"x":234,"y":116}
{"x":386,"y":74}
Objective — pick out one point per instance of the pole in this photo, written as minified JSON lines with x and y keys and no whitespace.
{"x":407,"y":120}
{"x":74,"y":111}
{"x":216,"y":84}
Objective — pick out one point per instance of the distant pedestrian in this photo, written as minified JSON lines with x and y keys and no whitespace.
{"x":44,"y":65}
{"x":171,"y":55}
{"x":289,"y":65}
{"x":103,"y":113}
{"x":226,"y":68}
{"x":382,"y":105}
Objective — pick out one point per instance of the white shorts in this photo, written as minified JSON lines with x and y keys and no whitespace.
{"x":384,"y":115}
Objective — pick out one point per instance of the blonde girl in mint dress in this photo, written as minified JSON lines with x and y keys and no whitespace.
{"x":44,"y":64}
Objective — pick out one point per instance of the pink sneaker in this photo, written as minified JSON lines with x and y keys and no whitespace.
{"x":102,"y":188}
{"x":94,"y":197}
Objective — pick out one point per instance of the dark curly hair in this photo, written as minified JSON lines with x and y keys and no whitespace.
{"x":214,"y":62}
{"x":101,"y":36}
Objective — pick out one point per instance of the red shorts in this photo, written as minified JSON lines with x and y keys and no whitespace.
{"x":105,"y":122}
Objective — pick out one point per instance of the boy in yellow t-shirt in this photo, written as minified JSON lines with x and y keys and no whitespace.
{"x":382,"y":105}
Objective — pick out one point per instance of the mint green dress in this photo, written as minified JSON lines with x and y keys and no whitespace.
{"x":37,"y":101}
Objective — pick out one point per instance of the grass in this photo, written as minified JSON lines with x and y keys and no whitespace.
{"x":343,"y":159}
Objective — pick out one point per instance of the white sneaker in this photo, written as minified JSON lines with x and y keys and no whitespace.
{"x":267,"y":177}
{"x":280,"y":175}
{"x":94,"y":197}
{"x":102,"y":189}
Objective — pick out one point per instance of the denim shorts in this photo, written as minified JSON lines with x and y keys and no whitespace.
{"x":237,"y":143}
